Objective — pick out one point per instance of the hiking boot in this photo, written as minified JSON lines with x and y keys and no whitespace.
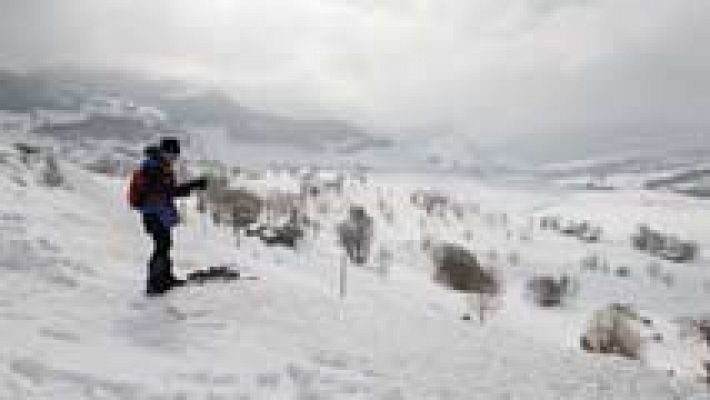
{"x":176,"y":282}
{"x":155,"y":291}
{"x":158,"y":287}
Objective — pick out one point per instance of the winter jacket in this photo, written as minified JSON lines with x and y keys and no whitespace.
{"x":159,"y":190}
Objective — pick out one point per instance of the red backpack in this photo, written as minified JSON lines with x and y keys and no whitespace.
{"x":136,"y":189}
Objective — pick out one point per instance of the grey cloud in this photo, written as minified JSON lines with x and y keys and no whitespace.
{"x":503,"y":73}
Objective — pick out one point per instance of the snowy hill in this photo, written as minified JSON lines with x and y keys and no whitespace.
{"x":120,"y":95}
{"x":76,"y":324}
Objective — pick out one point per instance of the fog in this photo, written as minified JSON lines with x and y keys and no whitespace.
{"x":518,"y":75}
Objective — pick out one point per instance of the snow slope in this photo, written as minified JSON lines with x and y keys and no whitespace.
{"x":75,"y":324}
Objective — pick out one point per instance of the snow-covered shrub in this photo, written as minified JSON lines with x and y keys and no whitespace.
{"x":355,"y":235}
{"x":679,"y":251}
{"x":51,"y":176}
{"x":525,"y":236}
{"x":238,"y":206}
{"x":514,"y":258}
{"x":623,"y":271}
{"x":492,"y":255}
{"x":573,"y":228}
{"x":426,"y":243}
{"x":384,"y":259}
{"x":703,"y":328}
{"x":458,"y":268}
{"x":28,"y":153}
{"x":475,"y":208}
{"x":252,"y":175}
{"x":313,"y":183}
{"x":591,"y":262}
{"x":279,"y":204}
{"x":550,"y":222}
{"x":382,"y":205}
{"x":119,"y":166}
{"x":591,"y":234}
{"x":18,"y":180}
{"x":664,"y":246}
{"x":654,"y":270}
{"x":286,"y":235}
{"x":388,"y":217}
{"x":458,"y":211}
{"x":323,"y":208}
{"x":429,"y":201}
{"x":548,"y":291}
{"x":614,"y":329}
{"x":201,"y":204}
{"x":668,"y":279}
{"x":216,"y":218}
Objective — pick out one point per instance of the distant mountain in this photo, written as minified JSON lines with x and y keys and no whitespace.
{"x":185,"y":105}
{"x":26,"y":92}
{"x":99,"y":127}
{"x":214,"y":107}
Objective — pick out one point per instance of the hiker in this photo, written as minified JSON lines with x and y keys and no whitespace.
{"x":152,"y":191}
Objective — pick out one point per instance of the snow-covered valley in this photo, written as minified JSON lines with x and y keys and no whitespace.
{"x":75,"y":323}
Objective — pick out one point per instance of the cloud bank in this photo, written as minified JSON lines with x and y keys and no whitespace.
{"x":517,"y":73}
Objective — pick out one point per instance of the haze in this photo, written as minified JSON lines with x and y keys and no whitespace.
{"x":551,"y":75}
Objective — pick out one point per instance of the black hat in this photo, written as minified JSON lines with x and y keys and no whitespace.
{"x":170,"y":145}
{"x":152,"y":151}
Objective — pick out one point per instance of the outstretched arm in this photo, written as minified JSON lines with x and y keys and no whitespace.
{"x":184,"y":189}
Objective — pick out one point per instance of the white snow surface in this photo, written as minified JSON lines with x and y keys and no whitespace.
{"x":75,"y":324}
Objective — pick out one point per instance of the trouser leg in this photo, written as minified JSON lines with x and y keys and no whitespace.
{"x":160,"y":265}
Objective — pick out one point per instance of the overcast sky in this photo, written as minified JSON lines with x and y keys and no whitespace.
{"x":498,"y":71}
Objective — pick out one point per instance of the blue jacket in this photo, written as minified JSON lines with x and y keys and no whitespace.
{"x":160,"y":191}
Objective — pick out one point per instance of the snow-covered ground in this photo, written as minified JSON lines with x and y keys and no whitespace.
{"x":74,"y":323}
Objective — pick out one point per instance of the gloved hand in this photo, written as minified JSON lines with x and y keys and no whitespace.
{"x":199,"y":183}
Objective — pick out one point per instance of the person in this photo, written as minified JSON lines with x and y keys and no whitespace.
{"x":152,"y":192}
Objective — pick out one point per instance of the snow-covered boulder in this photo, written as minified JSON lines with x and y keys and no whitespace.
{"x":614,"y":329}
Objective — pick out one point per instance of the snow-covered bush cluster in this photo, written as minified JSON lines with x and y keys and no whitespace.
{"x":582,"y":230}
{"x":668,"y":247}
{"x":549,"y":291}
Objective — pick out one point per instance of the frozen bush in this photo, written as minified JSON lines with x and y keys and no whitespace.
{"x":591,"y":263}
{"x":513,"y":258}
{"x":458,"y":268}
{"x":623,"y":271}
{"x":355,"y":234}
{"x":51,"y":175}
{"x":654,"y":270}
{"x":680,"y":251}
{"x":548,"y":291}
{"x":430,"y":201}
{"x":384,"y":261}
{"x":668,"y":279}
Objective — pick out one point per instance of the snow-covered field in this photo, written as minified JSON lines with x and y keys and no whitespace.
{"x":74,"y":323}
